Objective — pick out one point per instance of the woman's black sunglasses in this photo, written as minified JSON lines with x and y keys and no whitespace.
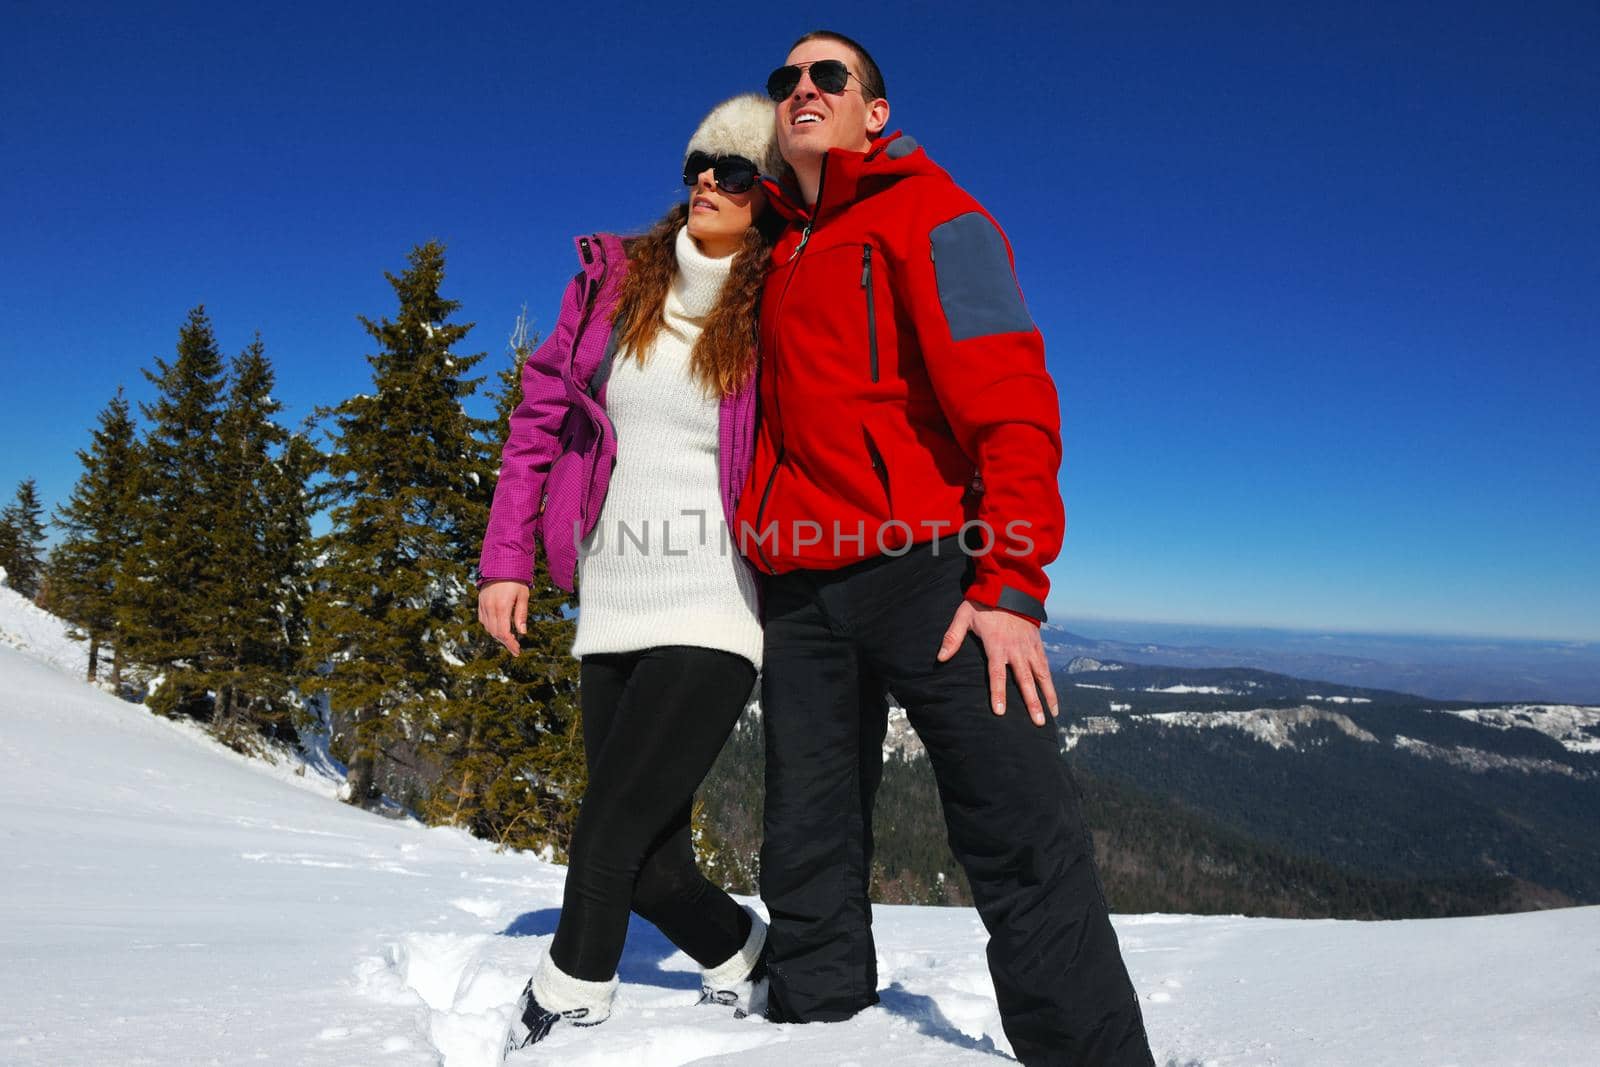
{"x":829,"y":75}
{"x":733,"y":174}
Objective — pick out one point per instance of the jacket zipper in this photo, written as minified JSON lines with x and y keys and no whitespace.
{"x":591,"y":292}
{"x":762,"y":508}
{"x":603,"y":425}
{"x":872,"y":315}
{"x":805,"y":236}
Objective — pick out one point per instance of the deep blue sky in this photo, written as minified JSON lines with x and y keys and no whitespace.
{"x":1321,"y":289}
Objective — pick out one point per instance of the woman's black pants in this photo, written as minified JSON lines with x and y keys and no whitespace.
{"x":653,"y":723}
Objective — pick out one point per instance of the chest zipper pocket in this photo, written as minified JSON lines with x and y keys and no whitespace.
{"x":881,"y":469}
{"x":872,"y":314}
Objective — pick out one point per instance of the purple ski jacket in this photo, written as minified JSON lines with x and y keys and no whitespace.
{"x":557,"y":460}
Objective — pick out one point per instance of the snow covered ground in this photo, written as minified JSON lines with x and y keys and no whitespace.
{"x":165,"y":901}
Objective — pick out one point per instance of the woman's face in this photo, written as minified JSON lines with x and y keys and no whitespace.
{"x":718,"y":220}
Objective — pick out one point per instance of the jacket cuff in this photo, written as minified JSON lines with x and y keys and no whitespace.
{"x":995,"y":591}
{"x":502,"y":569}
{"x":504,"y":578}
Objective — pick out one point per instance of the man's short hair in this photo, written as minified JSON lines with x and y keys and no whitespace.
{"x":871,"y":77}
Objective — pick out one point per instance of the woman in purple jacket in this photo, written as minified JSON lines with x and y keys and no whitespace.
{"x":650,"y":368}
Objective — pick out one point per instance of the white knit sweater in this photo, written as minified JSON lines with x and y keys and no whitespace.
{"x":659,"y":568}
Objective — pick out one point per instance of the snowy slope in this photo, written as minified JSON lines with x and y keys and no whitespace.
{"x":34,"y":631}
{"x":165,"y":901}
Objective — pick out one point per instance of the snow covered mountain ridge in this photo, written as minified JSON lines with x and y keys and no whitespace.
{"x":1447,"y":808}
{"x":1391,"y":785}
{"x":1572,"y":726}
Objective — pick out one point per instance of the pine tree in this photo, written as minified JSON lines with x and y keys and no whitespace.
{"x":22,"y":540}
{"x":393,"y":617}
{"x":86,"y":570}
{"x":262,"y":531}
{"x":289,"y":540}
{"x":513,"y":746}
{"x":171,"y":617}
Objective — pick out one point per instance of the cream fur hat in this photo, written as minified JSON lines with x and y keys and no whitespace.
{"x":742,"y":126}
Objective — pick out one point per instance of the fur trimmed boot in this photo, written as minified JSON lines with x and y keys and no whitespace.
{"x":740,"y":981}
{"x":552,"y":996}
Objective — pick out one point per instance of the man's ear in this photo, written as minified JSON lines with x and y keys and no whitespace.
{"x":877,"y":117}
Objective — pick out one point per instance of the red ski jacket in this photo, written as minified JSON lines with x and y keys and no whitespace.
{"x":903,"y":386}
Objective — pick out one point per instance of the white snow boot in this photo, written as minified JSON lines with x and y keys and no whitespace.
{"x":740,"y":981}
{"x":553,"y":997}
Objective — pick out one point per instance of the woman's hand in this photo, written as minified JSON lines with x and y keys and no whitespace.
{"x":501,"y":606}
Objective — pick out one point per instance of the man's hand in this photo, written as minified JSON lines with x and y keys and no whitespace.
{"x":1008,"y":641}
{"x":502,"y":605}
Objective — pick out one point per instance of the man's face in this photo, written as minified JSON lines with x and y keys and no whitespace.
{"x":811,"y":121}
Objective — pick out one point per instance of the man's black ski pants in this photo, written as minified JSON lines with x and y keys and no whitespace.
{"x":1011,"y":809}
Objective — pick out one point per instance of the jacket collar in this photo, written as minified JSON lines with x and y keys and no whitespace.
{"x":849,"y":176}
{"x":598,"y":253}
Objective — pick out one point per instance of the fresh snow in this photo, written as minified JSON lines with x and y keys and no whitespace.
{"x":40,"y":635}
{"x":168,"y":902}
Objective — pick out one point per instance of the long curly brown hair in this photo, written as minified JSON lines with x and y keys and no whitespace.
{"x":724,"y":356}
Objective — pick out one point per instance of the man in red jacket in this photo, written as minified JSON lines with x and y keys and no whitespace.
{"x":903,"y":504}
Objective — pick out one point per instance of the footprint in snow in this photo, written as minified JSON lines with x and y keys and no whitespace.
{"x":464,"y":985}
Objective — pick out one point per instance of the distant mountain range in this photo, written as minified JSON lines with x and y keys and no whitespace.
{"x":1385,"y":783}
{"x":1235,"y":789}
{"x":1445,"y":668}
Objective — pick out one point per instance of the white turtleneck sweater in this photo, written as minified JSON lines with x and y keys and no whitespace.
{"x":660,"y":568}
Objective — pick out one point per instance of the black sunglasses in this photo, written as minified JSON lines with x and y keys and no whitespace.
{"x":733,"y":174}
{"x":829,"y":75}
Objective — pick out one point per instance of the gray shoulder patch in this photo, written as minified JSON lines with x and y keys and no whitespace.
{"x":977,"y":289}
{"x":901,"y":147}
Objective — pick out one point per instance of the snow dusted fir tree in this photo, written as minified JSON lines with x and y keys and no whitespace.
{"x":411,"y":676}
{"x":86,"y":579}
{"x":514,"y":748}
{"x":263,"y":531}
{"x":171,"y":618}
{"x":22,"y":540}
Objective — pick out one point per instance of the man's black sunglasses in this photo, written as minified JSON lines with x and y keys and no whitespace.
{"x":829,"y":75}
{"x":733,"y":174}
